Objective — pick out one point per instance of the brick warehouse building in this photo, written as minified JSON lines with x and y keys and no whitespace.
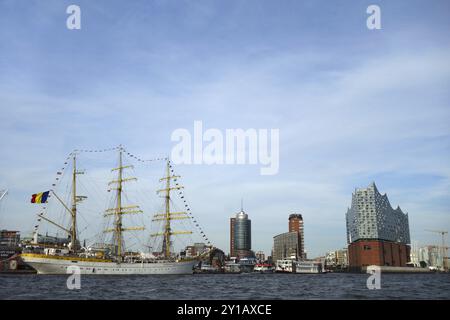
{"x":377,"y":234}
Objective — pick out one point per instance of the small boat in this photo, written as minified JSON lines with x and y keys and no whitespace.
{"x":307,"y":267}
{"x":263,"y":268}
{"x":285,"y":266}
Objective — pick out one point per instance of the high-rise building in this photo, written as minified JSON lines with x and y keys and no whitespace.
{"x":377,"y":234}
{"x":241,"y":236}
{"x":296,"y":225}
{"x":286,"y":246}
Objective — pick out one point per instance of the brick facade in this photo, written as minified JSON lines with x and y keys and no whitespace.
{"x":363,"y":253}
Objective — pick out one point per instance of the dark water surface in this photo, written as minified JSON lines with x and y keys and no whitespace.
{"x":228,"y":286}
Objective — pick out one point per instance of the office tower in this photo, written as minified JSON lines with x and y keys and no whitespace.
{"x":296,"y":225}
{"x":240,"y":235}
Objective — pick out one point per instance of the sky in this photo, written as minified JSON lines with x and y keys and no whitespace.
{"x":352,"y":105}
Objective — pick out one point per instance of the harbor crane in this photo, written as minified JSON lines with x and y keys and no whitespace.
{"x":444,"y":247}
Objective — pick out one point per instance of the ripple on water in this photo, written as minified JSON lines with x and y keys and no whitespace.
{"x":228,"y":286}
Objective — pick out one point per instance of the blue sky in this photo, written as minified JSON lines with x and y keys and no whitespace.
{"x":353,"y":105}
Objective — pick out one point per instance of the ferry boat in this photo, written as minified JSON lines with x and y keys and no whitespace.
{"x":307,"y":267}
{"x":247,"y":264}
{"x":232,"y":267}
{"x":285,"y":266}
{"x":263,"y":268}
{"x":116,"y":261}
{"x":294,"y":266}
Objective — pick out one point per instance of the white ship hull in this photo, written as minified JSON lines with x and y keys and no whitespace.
{"x":51,"y":265}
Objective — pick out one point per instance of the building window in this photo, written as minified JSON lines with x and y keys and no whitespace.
{"x":366,"y":247}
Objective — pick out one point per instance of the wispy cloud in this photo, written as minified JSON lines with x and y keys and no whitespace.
{"x":352,"y":105}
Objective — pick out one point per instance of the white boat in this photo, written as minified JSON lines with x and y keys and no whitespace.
{"x":113,"y":261}
{"x":307,"y":267}
{"x":285,"y":266}
{"x":263,"y":268}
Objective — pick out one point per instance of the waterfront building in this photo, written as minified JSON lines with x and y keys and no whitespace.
{"x":377,"y":234}
{"x":428,"y":256}
{"x":46,"y":240}
{"x":241,"y":236}
{"x":197,"y":249}
{"x":337,"y":260}
{"x":9,"y":238}
{"x":286,"y":246}
{"x":260,"y":256}
{"x":296,"y":225}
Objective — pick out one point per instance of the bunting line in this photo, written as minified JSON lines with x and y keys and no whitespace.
{"x":188,"y":209}
{"x":143,"y":160}
{"x":61,"y":171}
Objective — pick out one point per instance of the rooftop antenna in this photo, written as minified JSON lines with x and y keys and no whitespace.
{"x":242,"y":204}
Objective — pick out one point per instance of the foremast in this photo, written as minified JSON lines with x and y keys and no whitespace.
{"x":72,"y":230}
{"x":75,"y":200}
{"x":167,"y":216}
{"x":120,"y":210}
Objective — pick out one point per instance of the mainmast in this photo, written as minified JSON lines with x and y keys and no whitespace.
{"x":167,"y":216}
{"x":120,"y":210}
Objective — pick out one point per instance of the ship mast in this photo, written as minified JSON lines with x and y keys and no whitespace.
{"x":74,"y":206}
{"x":167,"y":216}
{"x":120,"y":210}
{"x":72,"y":230}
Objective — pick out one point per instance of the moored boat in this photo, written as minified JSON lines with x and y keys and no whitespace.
{"x":263,"y":268}
{"x":307,"y":267}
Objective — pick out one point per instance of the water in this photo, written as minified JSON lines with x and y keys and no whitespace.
{"x":228,"y":286}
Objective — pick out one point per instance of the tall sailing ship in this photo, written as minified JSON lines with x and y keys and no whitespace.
{"x":116,"y":260}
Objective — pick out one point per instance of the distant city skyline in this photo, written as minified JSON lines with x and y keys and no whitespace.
{"x":352,"y":106}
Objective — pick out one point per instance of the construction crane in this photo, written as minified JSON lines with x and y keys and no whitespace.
{"x":444,"y":247}
{"x":3,"y":193}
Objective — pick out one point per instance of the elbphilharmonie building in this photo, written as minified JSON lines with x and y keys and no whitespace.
{"x":377,"y":234}
{"x":372,"y":217}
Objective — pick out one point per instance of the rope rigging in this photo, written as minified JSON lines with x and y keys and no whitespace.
{"x":61,"y":175}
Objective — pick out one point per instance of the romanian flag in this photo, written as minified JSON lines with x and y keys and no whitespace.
{"x":40,"y":197}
